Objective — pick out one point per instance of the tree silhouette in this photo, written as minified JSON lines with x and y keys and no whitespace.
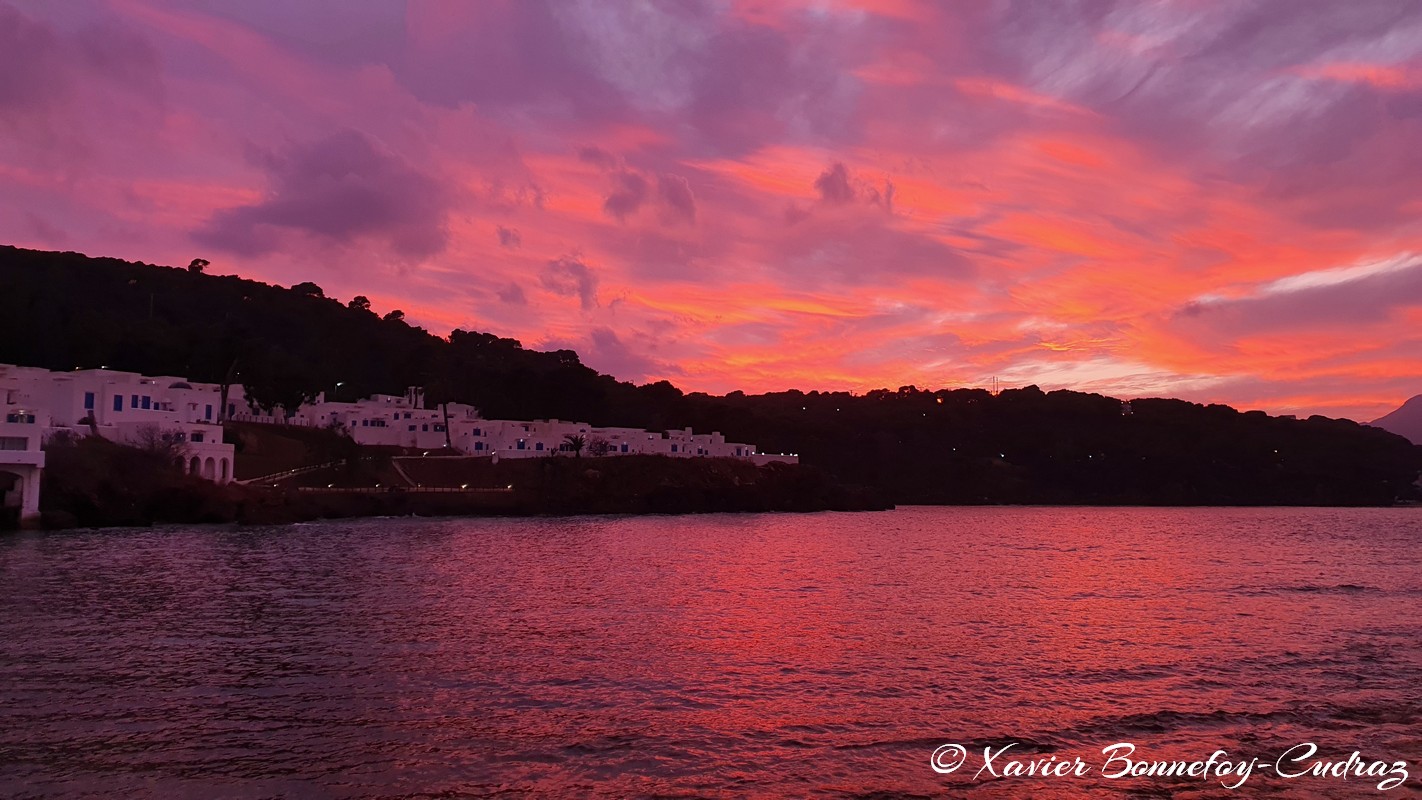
{"x":576,"y":442}
{"x":197,"y":265}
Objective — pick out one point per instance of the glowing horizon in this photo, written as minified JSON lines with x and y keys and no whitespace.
{"x":1213,"y":202}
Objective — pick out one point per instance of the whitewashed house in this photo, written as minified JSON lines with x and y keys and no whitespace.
{"x":129,"y":408}
{"x":379,"y":420}
{"x":21,"y":463}
{"x":404,"y":421}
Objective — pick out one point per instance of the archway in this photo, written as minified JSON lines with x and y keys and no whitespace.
{"x":19,"y":494}
{"x":195,"y":467}
{"x":12,"y":493}
{"x":222,"y":471}
{"x":209,"y":468}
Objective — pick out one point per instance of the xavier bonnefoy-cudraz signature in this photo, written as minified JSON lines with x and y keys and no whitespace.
{"x":1301,"y":762}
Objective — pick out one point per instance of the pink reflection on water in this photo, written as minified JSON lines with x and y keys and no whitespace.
{"x":773,"y":655}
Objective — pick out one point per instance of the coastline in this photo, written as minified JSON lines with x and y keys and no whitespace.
{"x":100,"y":484}
{"x":92,"y":483}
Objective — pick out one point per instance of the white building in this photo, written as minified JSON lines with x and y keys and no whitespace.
{"x":21,"y":463}
{"x":134,"y":409}
{"x":379,"y":420}
{"x":403,"y":421}
{"x":129,"y":408}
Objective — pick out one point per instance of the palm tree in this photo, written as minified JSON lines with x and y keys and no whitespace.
{"x":576,"y":442}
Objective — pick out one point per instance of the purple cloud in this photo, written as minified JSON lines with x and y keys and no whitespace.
{"x":41,"y":66}
{"x":33,"y":69}
{"x":833,"y":185}
{"x":605,"y":351}
{"x":630,"y":194}
{"x":513,"y":295}
{"x":597,"y":157}
{"x":677,"y":199}
{"x":570,"y":277}
{"x":340,"y":188}
{"x":1367,"y":300}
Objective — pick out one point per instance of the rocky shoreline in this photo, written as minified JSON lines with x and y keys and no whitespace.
{"x":95,"y":483}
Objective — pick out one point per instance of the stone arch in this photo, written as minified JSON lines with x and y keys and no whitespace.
{"x":195,"y":468}
{"x":209,"y":468}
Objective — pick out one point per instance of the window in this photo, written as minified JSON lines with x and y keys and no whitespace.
{"x":477,"y":432}
{"x":738,"y":451}
{"x":624,"y":447}
{"x":20,"y":418}
{"x":133,"y":401}
{"x":14,"y":443}
{"x":397,"y":415}
{"x":199,"y":437}
{"x":231,"y":409}
{"x":425,"y":428}
{"x":88,"y":401}
{"x":478,"y":445}
{"x":538,"y":446}
{"x":520,"y":444}
{"x":118,"y":402}
{"x":407,"y":415}
{"x":439,"y":429}
{"x":365,"y":423}
{"x":208,"y":415}
{"x":147,"y":402}
{"x":673,"y":448}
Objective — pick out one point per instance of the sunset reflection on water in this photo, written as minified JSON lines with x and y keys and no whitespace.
{"x":723,"y":655}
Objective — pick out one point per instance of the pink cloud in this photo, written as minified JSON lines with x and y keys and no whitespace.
{"x":1145,"y":198}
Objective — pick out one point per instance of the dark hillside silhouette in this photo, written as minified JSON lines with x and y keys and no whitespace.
{"x":65,"y":310}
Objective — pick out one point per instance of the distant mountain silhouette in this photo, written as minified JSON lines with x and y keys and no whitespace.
{"x":1405,"y":421}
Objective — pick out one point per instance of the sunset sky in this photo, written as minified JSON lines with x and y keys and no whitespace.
{"x":1216,"y":201}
